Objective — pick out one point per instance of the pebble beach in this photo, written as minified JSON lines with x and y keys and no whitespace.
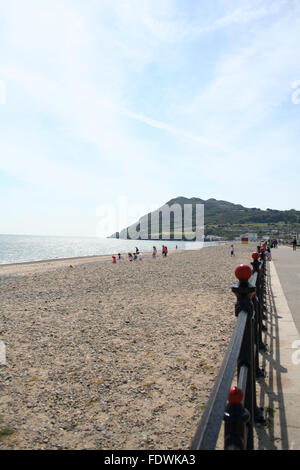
{"x":113,"y":356}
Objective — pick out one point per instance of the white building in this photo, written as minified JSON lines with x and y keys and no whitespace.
{"x":252,"y":237}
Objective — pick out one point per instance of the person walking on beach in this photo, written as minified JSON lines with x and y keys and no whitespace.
{"x":232,"y":250}
{"x":164,"y":250}
{"x":154,"y":252}
{"x":294,"y":244}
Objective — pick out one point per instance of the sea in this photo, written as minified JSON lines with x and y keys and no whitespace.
{"x":27,"y":248}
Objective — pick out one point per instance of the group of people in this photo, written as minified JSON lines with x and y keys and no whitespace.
{"x":272,"y":243}
{"x":164,"y":251}
{"x":137,"y":255}
{"x":267,"y":246}
{"x":275,"y":243}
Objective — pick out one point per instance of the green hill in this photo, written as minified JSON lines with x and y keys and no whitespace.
{"x":223,"y":212}
{"x":225,"y":219}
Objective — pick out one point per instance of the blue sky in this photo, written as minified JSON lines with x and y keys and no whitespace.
{"x":145,"y":100}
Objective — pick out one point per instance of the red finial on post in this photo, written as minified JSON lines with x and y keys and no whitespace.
{"x":236,"y":396}
{"x":243,"y":272}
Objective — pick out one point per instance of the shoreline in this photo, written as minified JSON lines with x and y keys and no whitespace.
{"x":96,"y":257}
{"x":54,"y":260}
{"x":33,"y":266}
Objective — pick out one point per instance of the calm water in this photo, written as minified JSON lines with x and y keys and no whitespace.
{"x":22,"y":248}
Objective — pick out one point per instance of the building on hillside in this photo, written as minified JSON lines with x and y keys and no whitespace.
{"x":211,"y":238}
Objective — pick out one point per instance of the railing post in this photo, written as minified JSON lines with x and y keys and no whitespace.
{"x":262,"y":289}
{"x":263,"y":277}
{"x":236,"y":416}
{"x":243,"y":291}
{"x":260,"y":415}
{"x":257,"y":337}
{"x":258,"y":303}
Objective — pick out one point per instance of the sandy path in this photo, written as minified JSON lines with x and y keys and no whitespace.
{"x":103,"y":356}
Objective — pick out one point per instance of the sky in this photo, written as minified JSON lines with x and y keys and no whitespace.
{"x":119,"y":106}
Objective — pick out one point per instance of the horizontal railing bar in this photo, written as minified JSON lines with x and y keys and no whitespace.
{"x":208,"y":428}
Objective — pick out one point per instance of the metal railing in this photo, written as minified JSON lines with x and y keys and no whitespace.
{"x":237,"y":405}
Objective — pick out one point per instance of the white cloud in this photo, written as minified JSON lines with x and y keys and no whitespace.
{"x":76,"y":75}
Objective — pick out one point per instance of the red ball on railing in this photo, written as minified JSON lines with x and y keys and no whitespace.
{"x":243,"y":272}
{"x":255,"y":255}
{"x":236,"y":396}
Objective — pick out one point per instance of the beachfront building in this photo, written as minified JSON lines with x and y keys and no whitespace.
{"x":251,"y":236}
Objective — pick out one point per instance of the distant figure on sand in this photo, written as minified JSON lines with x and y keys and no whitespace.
{"x":136,"y":250}
{"x":119,"y":257}
{"x":232,"y":250}
{"x":164,"y":250}
{"x":154,"y":252}
{"x":114,"y":260}
{"x":130,"y":257}
{"x":294,"y":244}
{"x":140,"y":256}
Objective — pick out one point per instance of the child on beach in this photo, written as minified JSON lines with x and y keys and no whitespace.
{"x":119,"y":257}
{"x":154,"y":252}
{"x":232,"y":250}
{"x":130,"y":257}
{"x":140,"y":256}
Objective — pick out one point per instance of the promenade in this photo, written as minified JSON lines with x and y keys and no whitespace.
{"x":279,"y":392}
{"x":287,"y":263}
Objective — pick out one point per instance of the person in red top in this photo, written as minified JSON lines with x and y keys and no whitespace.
{"x":164,"y":250}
